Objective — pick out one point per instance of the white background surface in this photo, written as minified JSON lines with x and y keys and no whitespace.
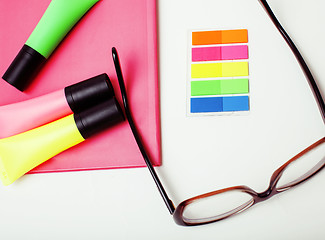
{"x":200,"y":154}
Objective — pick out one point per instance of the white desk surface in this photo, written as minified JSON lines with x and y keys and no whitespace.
{"x":200,"y":154}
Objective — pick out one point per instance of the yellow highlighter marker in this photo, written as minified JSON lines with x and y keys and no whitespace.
{"x":21,"y":153}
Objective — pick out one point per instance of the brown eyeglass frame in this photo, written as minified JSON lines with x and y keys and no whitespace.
{"x":256,"y":197}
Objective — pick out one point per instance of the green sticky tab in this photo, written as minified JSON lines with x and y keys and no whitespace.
{"x":199,"y":88}
{"x":234,"y":86}
{"x":219,"y":87}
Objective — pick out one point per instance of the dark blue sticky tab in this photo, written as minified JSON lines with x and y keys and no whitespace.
{"x":206,"y":104}
{"x":235,"y":103}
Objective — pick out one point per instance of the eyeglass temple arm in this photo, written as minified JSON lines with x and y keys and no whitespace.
{"x":161,"y":189}
{"x":300,"y":59}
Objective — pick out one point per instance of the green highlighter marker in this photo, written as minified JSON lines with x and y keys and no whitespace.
{"x":57,"y":21}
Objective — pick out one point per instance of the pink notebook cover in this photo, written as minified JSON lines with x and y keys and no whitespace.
{"x":128,"y":25}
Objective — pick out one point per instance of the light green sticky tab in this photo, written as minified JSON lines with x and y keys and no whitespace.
{"x":219,"y":87}
{"x":234,"y":86}
{"x":206,"y":70}
{"x":234,"y":69}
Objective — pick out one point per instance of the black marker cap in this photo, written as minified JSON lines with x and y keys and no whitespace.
{"x":88,"y":93}
{"x":24,"y":68}
{"x":99,"y":118}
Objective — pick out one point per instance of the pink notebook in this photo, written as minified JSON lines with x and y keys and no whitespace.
{"x":128,"y":25}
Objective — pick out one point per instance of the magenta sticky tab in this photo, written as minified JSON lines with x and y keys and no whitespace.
{"x":206,"y":54}
{"x":233,"y":52}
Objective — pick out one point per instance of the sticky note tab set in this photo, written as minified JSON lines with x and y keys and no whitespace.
{"x":218,"y":66}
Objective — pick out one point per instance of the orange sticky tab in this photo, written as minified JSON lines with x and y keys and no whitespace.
{"x":234,"y":36}
{"x":219,"y":37}
{"x":206,"y":37}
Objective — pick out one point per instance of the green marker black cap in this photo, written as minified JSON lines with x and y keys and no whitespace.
{"x":24,"y":68}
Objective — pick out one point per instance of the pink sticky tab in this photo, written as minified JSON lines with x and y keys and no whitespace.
{"x":234,"y":52}
{"x":220,"y":53}
{"x":206,"y":54}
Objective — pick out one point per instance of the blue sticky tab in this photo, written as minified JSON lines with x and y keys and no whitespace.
{"x":212,"y":104}
{"x":219,"y":104}
{"x":236,"y":103}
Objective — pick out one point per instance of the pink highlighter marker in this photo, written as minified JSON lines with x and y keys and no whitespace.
{"x":22,"y":116}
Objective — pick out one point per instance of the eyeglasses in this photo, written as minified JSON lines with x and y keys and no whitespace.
{"x":218,"y":205}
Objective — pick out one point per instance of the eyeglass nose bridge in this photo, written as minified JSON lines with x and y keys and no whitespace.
{"x":264,"y":195}
{"x":270,"y":191}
